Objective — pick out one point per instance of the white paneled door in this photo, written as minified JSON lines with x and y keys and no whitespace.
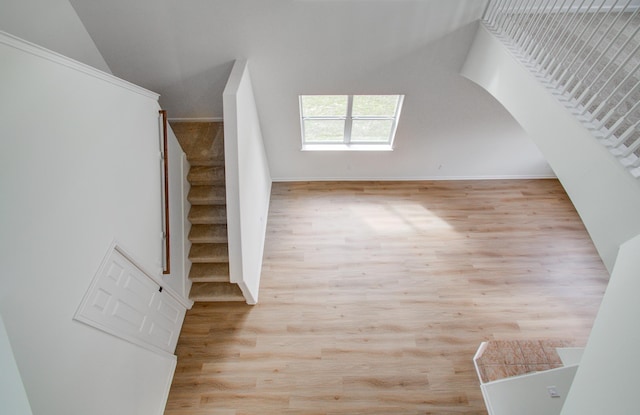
{"x":126,"y":302}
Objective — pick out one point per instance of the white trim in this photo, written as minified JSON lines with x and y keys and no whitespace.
{"x":349,"y":119}
{"x":41,"y":52}
{"x":347,"y":147}
{"x":574,"y":9}
{"x":410,"y":179}
{"x":157,"y":279}
{"x":78,"y":316}
{"x":531,"y":374}
{"x":479,"y":352}
{"x":246,"y":292}
{"x":200,"y":119}
{"x":167,"y":387}
{"x":186,"y":227}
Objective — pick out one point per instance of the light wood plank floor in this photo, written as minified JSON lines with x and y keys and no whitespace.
{"x":375,"y":297}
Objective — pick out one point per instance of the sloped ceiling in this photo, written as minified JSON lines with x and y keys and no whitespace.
{"x":184,"y":49}
{"x":449,"y":128}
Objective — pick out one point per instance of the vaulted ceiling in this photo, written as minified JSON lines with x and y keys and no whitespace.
{"x":184,"y":49}
{"x":449,"y":128}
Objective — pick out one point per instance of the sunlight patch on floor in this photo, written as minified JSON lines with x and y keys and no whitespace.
{"x":398,"y":218}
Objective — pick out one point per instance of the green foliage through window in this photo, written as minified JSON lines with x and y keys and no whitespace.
{"x":349,"y":119}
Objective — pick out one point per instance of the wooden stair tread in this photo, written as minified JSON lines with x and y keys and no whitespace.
{"x":208,"y":214}
{"x":205,"y":175}
{"x":209,"y":272}
{"x":207,"y":195}
{"x":215,"y":291}
{"x":209,"y":252}
{"x":208,"y":233}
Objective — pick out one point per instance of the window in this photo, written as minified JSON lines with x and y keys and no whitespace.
{"x":343,"y":122}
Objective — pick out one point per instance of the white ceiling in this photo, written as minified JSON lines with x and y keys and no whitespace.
{"x":449,"y":128}
{"x":184,"y":49}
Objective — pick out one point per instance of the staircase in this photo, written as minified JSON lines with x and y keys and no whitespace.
{"x":203,"y":143}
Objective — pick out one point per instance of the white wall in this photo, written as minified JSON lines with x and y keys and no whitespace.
{"x":53,"y":24}
{"x":528,"y":394}
{"x":13,"y":397}
{"x":79,"y":168}
{"x":248,"y":182}
{"x":605,"y":195}
{"x":449,"y":127}
{"x":178,"y":278}
{"x":609,"y":373}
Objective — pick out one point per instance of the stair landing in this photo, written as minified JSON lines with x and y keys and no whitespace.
{"x":500,"y":359}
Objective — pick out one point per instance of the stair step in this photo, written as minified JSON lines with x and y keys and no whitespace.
{"x":209,"y":272}
{"x":207,"y":195}
{"x":205,"y":175}
{"x":201,"y":141}
{"x":216,"y":233}
{"x":214,"y":154}
{"x":209,"y":253}
{"x":215,"y":291}
{"x":208,"y":214}
{"x":206,"y":161}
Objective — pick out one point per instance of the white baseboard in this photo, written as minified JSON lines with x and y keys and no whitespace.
{"x":167,"y":388}
{"x":202,"y":119}
{"x":411,"y":179}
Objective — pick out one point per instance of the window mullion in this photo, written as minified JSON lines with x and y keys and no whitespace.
{"x":347,"y":122}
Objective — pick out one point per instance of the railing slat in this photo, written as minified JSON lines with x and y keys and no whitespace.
{"x":588,"y":51}
{"x":585,"y":45}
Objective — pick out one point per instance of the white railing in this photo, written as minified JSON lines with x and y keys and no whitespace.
{"x":587,"y":53}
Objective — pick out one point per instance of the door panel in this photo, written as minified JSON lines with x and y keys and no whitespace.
{"x":126,"y":302}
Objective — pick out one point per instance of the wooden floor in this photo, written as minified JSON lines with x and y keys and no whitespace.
{"x":375,"y":297}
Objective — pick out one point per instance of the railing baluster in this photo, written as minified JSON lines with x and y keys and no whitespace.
{"x":615,"y":91}
{"x":564,"y":41}
{"x":609,"y":46}
{"x":623,"y":138}
{"x":519,"y":25}
{"x":557,"y":38}
{"x":556,"y":26}
{"x":586,"y":43}
{"x":609,"y":64}
{"x":533,"y":43}
{"x":534,"y":25}
{"x":539,"y":41}
{"x":631,"y":149}
{"x":548,"y":35}
{"x":515,"y":19}
{"x":491,"y":18}
{"x":611,"y":131}
{"x":500,"y":22}
{"x":572,"y":27}
{"x":613,"y":60}
{"x":531,"y":22}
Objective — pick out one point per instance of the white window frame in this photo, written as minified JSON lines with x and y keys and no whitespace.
{"x":347,"y":144}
